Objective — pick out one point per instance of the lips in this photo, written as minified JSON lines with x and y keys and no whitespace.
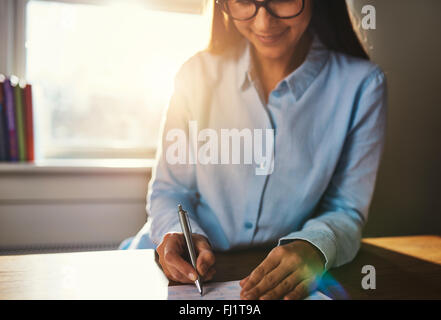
{"x":270,"y":38}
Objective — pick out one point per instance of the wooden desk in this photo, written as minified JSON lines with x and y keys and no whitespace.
{"x":406,"y":268}
{"x":114,"y":274}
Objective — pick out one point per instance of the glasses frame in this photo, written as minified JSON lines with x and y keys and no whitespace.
{"x":257,"y":5}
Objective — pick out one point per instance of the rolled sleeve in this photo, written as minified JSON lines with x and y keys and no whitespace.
{"x":323,"y":240}
{"x":336,"y":227}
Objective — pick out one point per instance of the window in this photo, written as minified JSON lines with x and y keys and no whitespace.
{"x":103,"y":74}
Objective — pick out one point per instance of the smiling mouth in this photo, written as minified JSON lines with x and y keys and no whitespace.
{"x":269,"y":39}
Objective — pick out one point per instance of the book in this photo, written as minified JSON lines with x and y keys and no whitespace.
{"x":29,"y":122}
{"x":3,"y":127}
{"x":8,"y":97}
{"x":19,"y":119}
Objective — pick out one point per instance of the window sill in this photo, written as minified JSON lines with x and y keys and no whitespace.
{"x":78,"y":166}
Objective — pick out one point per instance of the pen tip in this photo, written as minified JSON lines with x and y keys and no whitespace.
{"x":198,"y":285}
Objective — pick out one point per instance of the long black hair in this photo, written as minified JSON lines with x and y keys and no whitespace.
{"x":330,"y":21}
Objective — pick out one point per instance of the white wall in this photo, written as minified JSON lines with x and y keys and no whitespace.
{"x":51,"y":207}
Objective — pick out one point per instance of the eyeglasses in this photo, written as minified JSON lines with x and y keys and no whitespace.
{"x":247,"y":9}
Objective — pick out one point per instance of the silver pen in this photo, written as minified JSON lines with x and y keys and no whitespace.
{"x":186,"y":229}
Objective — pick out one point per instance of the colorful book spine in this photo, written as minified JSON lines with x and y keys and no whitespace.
{"x":29,"y":122}
{"x":3,"y":127}
{"x":20,"y":122}
{"x":8,"y":92}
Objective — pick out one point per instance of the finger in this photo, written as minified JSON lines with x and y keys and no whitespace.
{"x":166,"y":272}
{"x":270,"y":262}
{"x":174,"y":260}
{"x":268,"y":282}
{"x":205,"y":261}
{"x":164,"y":267}
{"x":210,"y":274}
{"x":172,"y":273}
{"x":243,"y":281}
{"x":201,"y":243}
{"x":302,"y":290}
{"x":283,"y":288}
{"x":178,"y":276}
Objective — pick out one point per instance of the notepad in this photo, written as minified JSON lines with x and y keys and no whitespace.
{"x":229,"y":290}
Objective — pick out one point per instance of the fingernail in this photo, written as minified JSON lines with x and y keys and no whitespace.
{"x":203,"y":269}
{"x":192,"y":276}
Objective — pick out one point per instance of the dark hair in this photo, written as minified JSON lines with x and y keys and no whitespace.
{"x":330,"y":21}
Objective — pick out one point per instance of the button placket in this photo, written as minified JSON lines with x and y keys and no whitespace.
{"x":259,"y":182}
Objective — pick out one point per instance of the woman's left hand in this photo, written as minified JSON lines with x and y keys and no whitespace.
{"x":291,"y":271}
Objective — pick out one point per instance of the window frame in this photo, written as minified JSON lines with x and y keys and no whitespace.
{"x":14,"y":51}
{"x":12,"y":37}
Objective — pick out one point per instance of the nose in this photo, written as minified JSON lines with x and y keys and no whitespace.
{"x":263,"y":20}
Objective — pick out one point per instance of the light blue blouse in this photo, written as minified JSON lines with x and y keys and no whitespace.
{"x":329,"y":118}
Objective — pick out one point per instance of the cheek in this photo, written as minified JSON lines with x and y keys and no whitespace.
{"x":299,"y":24}
{"x":297,"y":29}
{"x":243,"y":27}
{"x":305,"y":17}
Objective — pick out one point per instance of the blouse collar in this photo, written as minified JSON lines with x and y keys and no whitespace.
{"x":299,"y":80}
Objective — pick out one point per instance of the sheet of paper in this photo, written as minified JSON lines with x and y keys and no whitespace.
{"x":229,"y":290}
{"x":212,"y":291}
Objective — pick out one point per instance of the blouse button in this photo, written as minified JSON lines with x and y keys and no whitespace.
{"x":248,"y":225}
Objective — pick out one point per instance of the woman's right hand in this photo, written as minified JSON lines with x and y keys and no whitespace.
{"x":171,"y":253}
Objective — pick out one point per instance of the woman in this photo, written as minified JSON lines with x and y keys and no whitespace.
{"x":297,"y":68}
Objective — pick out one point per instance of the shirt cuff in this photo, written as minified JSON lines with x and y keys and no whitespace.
{"x":322,"y":240}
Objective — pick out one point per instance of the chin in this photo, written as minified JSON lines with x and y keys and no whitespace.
{"x":271,"y":52}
